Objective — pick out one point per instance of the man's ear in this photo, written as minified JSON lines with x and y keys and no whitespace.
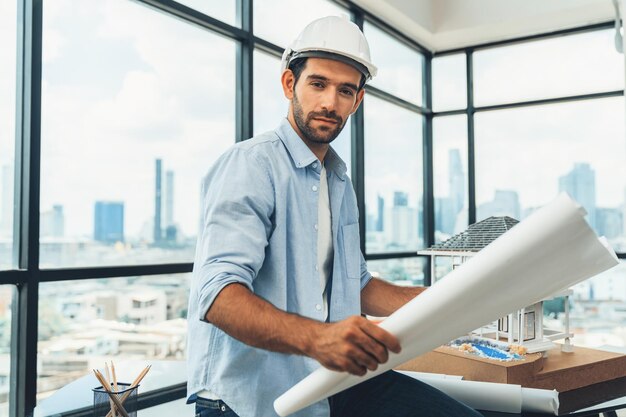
{"x":288,"y":81}
{"x":359,"y":99}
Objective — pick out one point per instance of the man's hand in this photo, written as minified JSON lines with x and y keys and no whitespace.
{"x":353,"y":345}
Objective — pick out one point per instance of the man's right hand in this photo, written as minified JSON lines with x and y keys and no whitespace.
{"x":352,"y":345}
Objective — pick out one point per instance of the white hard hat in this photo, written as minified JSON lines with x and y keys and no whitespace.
{"x":332,"y":37}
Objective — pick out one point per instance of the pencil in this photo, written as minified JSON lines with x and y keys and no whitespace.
{"x":132,"y":386}
{"x":112,"y":395}
{"x":107,"y":379}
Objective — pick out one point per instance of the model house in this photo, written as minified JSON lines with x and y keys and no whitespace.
{"x":523,"y":327}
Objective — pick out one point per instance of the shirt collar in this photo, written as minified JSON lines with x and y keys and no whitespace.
{"x":303,"y":156}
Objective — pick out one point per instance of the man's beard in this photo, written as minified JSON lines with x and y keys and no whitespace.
{"x":311,"y":134}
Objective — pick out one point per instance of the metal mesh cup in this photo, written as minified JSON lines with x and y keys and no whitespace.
{"x":125,"y":394}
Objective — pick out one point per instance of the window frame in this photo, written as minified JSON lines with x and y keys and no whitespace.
{"x":28,"y":275}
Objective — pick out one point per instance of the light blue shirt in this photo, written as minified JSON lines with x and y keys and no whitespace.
{"x":259,"y":215}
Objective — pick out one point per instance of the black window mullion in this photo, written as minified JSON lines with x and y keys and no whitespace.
{"x":65,"y":274}
{"x":195,"y":17}
{"x":23,"y":389}
{"x":245,"y":77}
{"x":358,"y":154}
{"x":471,"y":164}
{"x":428,"y":219}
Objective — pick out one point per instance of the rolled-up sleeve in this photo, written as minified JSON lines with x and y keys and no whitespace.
{"x":238,"y":202}
{"x":366,"y":276}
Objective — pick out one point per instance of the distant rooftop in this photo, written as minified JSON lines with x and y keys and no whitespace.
{"x":478,"y":235}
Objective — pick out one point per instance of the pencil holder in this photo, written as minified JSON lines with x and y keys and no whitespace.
{"x":126,"y":395}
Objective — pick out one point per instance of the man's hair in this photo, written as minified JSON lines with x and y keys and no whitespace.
{"x":299,"y":64}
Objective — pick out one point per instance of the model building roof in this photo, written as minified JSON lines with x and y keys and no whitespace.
{"x":477,"y":235}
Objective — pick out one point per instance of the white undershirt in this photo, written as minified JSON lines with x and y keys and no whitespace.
{"x":324,"y":238}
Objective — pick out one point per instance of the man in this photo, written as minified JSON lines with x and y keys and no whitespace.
{"x":279,"y":282}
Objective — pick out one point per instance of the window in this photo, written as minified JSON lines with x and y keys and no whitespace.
{"x":280,"y":21}
{"x":6,"y":298}
{"x":224,"y":10}
{"x":526,"y":156}
{"x":124,"y":319}
{"x":135,"y":108}
{"x":401,"y":271}
{"x":400,"y":68}
{"x":8,"y":42}
{"x":136,"y":104}
{"x":597,"y":310}
{"x":393,"y":180}
{"x":270,"y":104}
{"x":449,"y":82}
{"x":563,"y":66}
{"x":450,"y":175}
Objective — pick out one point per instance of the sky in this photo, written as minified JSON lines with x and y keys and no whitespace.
{"x":124,"y":85}
{"x":7,"y":81}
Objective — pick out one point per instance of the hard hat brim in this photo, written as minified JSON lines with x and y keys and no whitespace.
{"x":334,"y":56}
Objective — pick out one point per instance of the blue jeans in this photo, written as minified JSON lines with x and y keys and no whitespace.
{"x":213,"y":408}
{"x":388,"y":395}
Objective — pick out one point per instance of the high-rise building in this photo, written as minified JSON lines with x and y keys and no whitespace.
{"x":400,"y":199}
{"x":53,"y":222}
{"x":457,"y":181}
{"x":158,"y":233}
{"x":109,"y":221}
{"x":380,"y":219}
{"x":504,"y":203}
{"x":6,"y":200}
{"x":401,"y":227}
{"x":609,"y":222}
{"x":445,"y":215}
{"x":169,"y":198}
{"x":580,"y":184}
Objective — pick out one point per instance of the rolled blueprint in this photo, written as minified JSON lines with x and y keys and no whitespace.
{"x":490,"y":396}
{"x":552,"y":249}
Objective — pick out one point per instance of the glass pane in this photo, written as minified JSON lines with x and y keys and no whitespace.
{"x":562,"y":66}
{"x":402,"y":271}
{"x":84,"y":323}
{"x":393,"y":178}
{"x":597,"y":309}
{"x":449,"y":82}
{"x":450,"y":175}
{"x":280,"y":21}
{"x":77,"y":394}
{"x":224,"y":10}
{"x":526,"y":156}
{"x":271,"y":106}
{"x":400,"y":68}
{"x":151,"y":103}
{"x":6,"y":298}
{"x":8,"y":42}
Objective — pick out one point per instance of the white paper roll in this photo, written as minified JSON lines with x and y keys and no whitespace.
{"x":552,"y":249}
{"x":490,"y":396}
{"x":479,"y":395}
{"x":540,"y":401}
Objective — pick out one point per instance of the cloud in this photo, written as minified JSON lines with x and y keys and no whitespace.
{"x":170,"y":95}
{"x":562,"y":66}
{"x":528,"y":149}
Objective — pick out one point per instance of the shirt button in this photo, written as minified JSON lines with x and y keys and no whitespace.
{"x":317,"y":268}
{"x":223,"y":408}
{"x":314,"y":165}
{"x":314,"y":188}
{"x":318,"y":307}
{"x":315,"y":227}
